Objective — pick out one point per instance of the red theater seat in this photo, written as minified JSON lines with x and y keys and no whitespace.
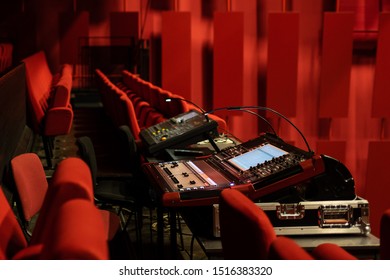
{"x":246,"y":232}
{"x":48,"y":95}
{"x":71,"y":179}
{"x":69,"y":225}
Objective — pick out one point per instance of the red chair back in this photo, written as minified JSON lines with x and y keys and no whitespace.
{"x":30,"y":181}
{"x":77,"y":234}
{"x":72,"y":179}
{"x":246,"y":232}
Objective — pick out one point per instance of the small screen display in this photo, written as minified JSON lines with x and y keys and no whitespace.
{"x":187,"y":116}
{"x":256,"y":156}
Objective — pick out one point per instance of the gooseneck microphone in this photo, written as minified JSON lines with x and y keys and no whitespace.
{"x":236,"y":108}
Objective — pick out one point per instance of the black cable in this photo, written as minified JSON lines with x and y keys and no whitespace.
{"x":233,"y":108}
{"x":261,"y":117}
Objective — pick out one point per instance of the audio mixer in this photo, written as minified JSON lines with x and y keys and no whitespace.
{"x":259,"y":167}
{"x":186,"y":128}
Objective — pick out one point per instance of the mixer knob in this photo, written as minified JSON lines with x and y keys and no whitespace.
{"x":192,"y":182}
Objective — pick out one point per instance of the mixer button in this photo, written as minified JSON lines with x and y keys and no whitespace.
{"x":192,"y":182}
{"x":167,"y":171}
{"x":175,"y":180}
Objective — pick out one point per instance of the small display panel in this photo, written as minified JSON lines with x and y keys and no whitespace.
{"x":186,"y":117}
{"x":256,"y":156}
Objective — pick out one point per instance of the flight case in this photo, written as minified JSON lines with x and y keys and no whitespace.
{"x":313,"y":217}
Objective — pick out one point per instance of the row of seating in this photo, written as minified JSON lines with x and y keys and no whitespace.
{"x":48,"y":100}
{"x":117,"y":105}
{"x":155,"y":97}
{"x":247,"y":233}
{"x":68,"y":225}
{"x":144,"y":92}
{"x":140,"y":104}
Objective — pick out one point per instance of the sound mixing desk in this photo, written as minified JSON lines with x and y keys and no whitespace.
{"x":266,"y":169}
{"x":184,"y":129}
{"x":261,"y":167}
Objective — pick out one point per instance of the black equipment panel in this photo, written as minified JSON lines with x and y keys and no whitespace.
{"x":186,"y":128}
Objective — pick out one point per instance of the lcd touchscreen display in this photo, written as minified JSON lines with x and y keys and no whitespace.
{"x":256,"y":156}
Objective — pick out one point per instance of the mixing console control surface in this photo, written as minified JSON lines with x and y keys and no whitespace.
{"x":259,"y":167}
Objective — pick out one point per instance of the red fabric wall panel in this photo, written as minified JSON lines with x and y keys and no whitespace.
{"x":381,"y":96}
{"x":335,"y":149}
{"x":228,"y":59}
{"x":378,"y":181}
{"x":176,"y":53}
{"x":366,"y":13}
{"x":336,"y":65}
{"x":123,"y":25}
{"x":282,"y":67}
{"x":72,"y":28}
